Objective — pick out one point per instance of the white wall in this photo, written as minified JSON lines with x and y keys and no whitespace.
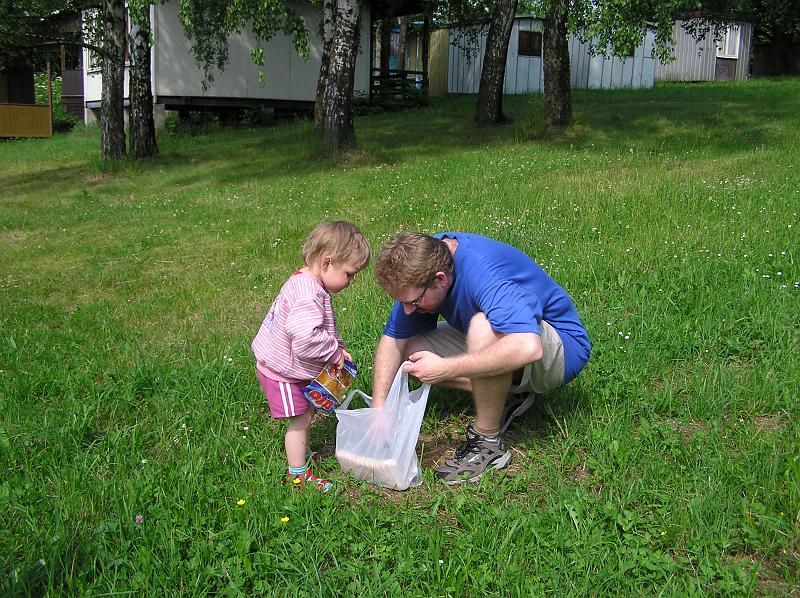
{"x":525,"y":74}
{"x":287,"y":76}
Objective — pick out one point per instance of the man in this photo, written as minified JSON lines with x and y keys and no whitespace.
{"x":506,"y":320}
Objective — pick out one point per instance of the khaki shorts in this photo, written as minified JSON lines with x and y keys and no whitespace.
{"x":540,"y":376}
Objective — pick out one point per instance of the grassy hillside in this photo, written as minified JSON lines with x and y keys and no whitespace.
{"x":128,"y":302}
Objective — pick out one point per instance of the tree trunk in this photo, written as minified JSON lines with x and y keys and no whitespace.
{"x":142,"y":129}
{"x":401,"y":48}
{"x":112,"y":115}
{"x":557,"y":90}
{"x":328,"y":28}
{"x":489,"y":109}
{"x":338,"y":97}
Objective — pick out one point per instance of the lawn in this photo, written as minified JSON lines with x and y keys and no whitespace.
{"x":138,"y":456}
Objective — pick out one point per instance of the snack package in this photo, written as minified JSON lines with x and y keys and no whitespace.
{"x":327,"y":391}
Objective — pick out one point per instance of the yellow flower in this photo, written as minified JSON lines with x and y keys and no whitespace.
{"x":663,"y":533}
{"x":240,"y":502}
{"x":296,"y":481}
{"x":284,"y":520}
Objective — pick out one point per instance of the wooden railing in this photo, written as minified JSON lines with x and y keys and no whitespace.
{"x":396,"y":81}
{"x":25,"y":120}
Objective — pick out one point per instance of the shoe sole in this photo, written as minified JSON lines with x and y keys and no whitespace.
{"x":500,"y":463}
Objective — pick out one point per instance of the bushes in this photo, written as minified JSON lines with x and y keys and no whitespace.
{"x":62,"y":119}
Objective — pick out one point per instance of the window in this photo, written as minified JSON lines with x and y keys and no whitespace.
{"x":728,"y":46}
{"x":530,"y":43}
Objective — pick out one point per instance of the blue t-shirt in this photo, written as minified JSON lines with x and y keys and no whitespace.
{"x":511,"y":290}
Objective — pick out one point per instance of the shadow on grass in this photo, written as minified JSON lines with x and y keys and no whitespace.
{"x":734,"y":118}
{"x":730,"y":118}
{"x":449,"y":412}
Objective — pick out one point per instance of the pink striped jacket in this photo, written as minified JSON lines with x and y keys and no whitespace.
{"x":298,"y":336}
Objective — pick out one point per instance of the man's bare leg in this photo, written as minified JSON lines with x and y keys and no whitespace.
{"x":489,"y":393}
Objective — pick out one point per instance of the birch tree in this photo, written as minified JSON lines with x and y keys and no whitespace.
{"x":112,"y":115}
{"x":142,"y":128}
{"x":489,"y":107}
{"x":337,"y":96}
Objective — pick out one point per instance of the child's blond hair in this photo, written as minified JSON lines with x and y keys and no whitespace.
{"x":339,"y":239}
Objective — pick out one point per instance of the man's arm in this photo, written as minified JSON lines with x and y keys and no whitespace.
{"x":509,"y":353}
{"x":389,"y":354}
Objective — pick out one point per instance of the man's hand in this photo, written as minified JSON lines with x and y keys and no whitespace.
{"x":428,"y":367}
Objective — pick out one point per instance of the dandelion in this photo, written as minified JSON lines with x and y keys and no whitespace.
{"x":284,"y":520}
{"x":240,"y":502}
{"x":138,"y":519}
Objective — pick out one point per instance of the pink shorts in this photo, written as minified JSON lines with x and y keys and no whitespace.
{"x":285,"y":398}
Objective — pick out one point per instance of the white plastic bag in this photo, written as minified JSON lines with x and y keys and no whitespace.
{"x":379,"y":445}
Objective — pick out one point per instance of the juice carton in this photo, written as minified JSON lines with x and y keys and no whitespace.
{"x":327,"y":391}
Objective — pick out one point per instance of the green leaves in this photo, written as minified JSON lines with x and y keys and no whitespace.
{"x":209,"y":24}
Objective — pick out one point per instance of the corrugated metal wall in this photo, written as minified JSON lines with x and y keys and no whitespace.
{"x":696,"y":60}
{"x":614,"y":72}
{"x":523,"y":73}
{"x":464,"y":67}
{"x":743,"y":64}
{"x":526,"y":73}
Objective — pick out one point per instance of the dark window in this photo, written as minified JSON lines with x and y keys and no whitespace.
{"x":530,"y":43}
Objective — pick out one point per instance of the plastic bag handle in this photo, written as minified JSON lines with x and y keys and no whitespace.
{"x":368,"y":399}
{"x":346,"y":403}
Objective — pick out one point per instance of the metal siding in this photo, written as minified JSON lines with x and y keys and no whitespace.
{"x":585,"y":65}
{"x":694,"y":60}
{"x":627,"y":71}
{"x":452,"y":59}
{"x":595,"y":80}
{"x":526,"y":74}
{"x":605,"y":70}
{"x":514,"y":69}
{"x":746,"y":42}
{"x":574,"y":58}
{"x":616,"y":72}
{"x":636,"y":67}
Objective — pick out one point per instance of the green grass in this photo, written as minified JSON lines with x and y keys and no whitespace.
{"x":670,"y":466}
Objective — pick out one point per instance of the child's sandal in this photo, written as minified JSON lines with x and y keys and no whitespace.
{"x":308,"y":477}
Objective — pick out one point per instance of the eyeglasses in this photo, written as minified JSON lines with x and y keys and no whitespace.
{"x":415,"y":302}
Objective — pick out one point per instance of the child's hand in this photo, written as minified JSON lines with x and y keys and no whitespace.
{"x":347,"y":356}
{"x":339,"y":363}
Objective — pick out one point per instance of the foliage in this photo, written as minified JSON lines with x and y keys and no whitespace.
{"x":32,"y":30}
{"x":773,"y":18}
{"x":62,"y":119}
{"x":208,"y":24}
{"x":669,"y":467}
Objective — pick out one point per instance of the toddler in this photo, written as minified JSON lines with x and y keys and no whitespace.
{"x":298,"y":336}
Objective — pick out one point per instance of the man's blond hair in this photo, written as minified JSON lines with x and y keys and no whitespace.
{"x":339,"y":239}
{"x":411,"y":259}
